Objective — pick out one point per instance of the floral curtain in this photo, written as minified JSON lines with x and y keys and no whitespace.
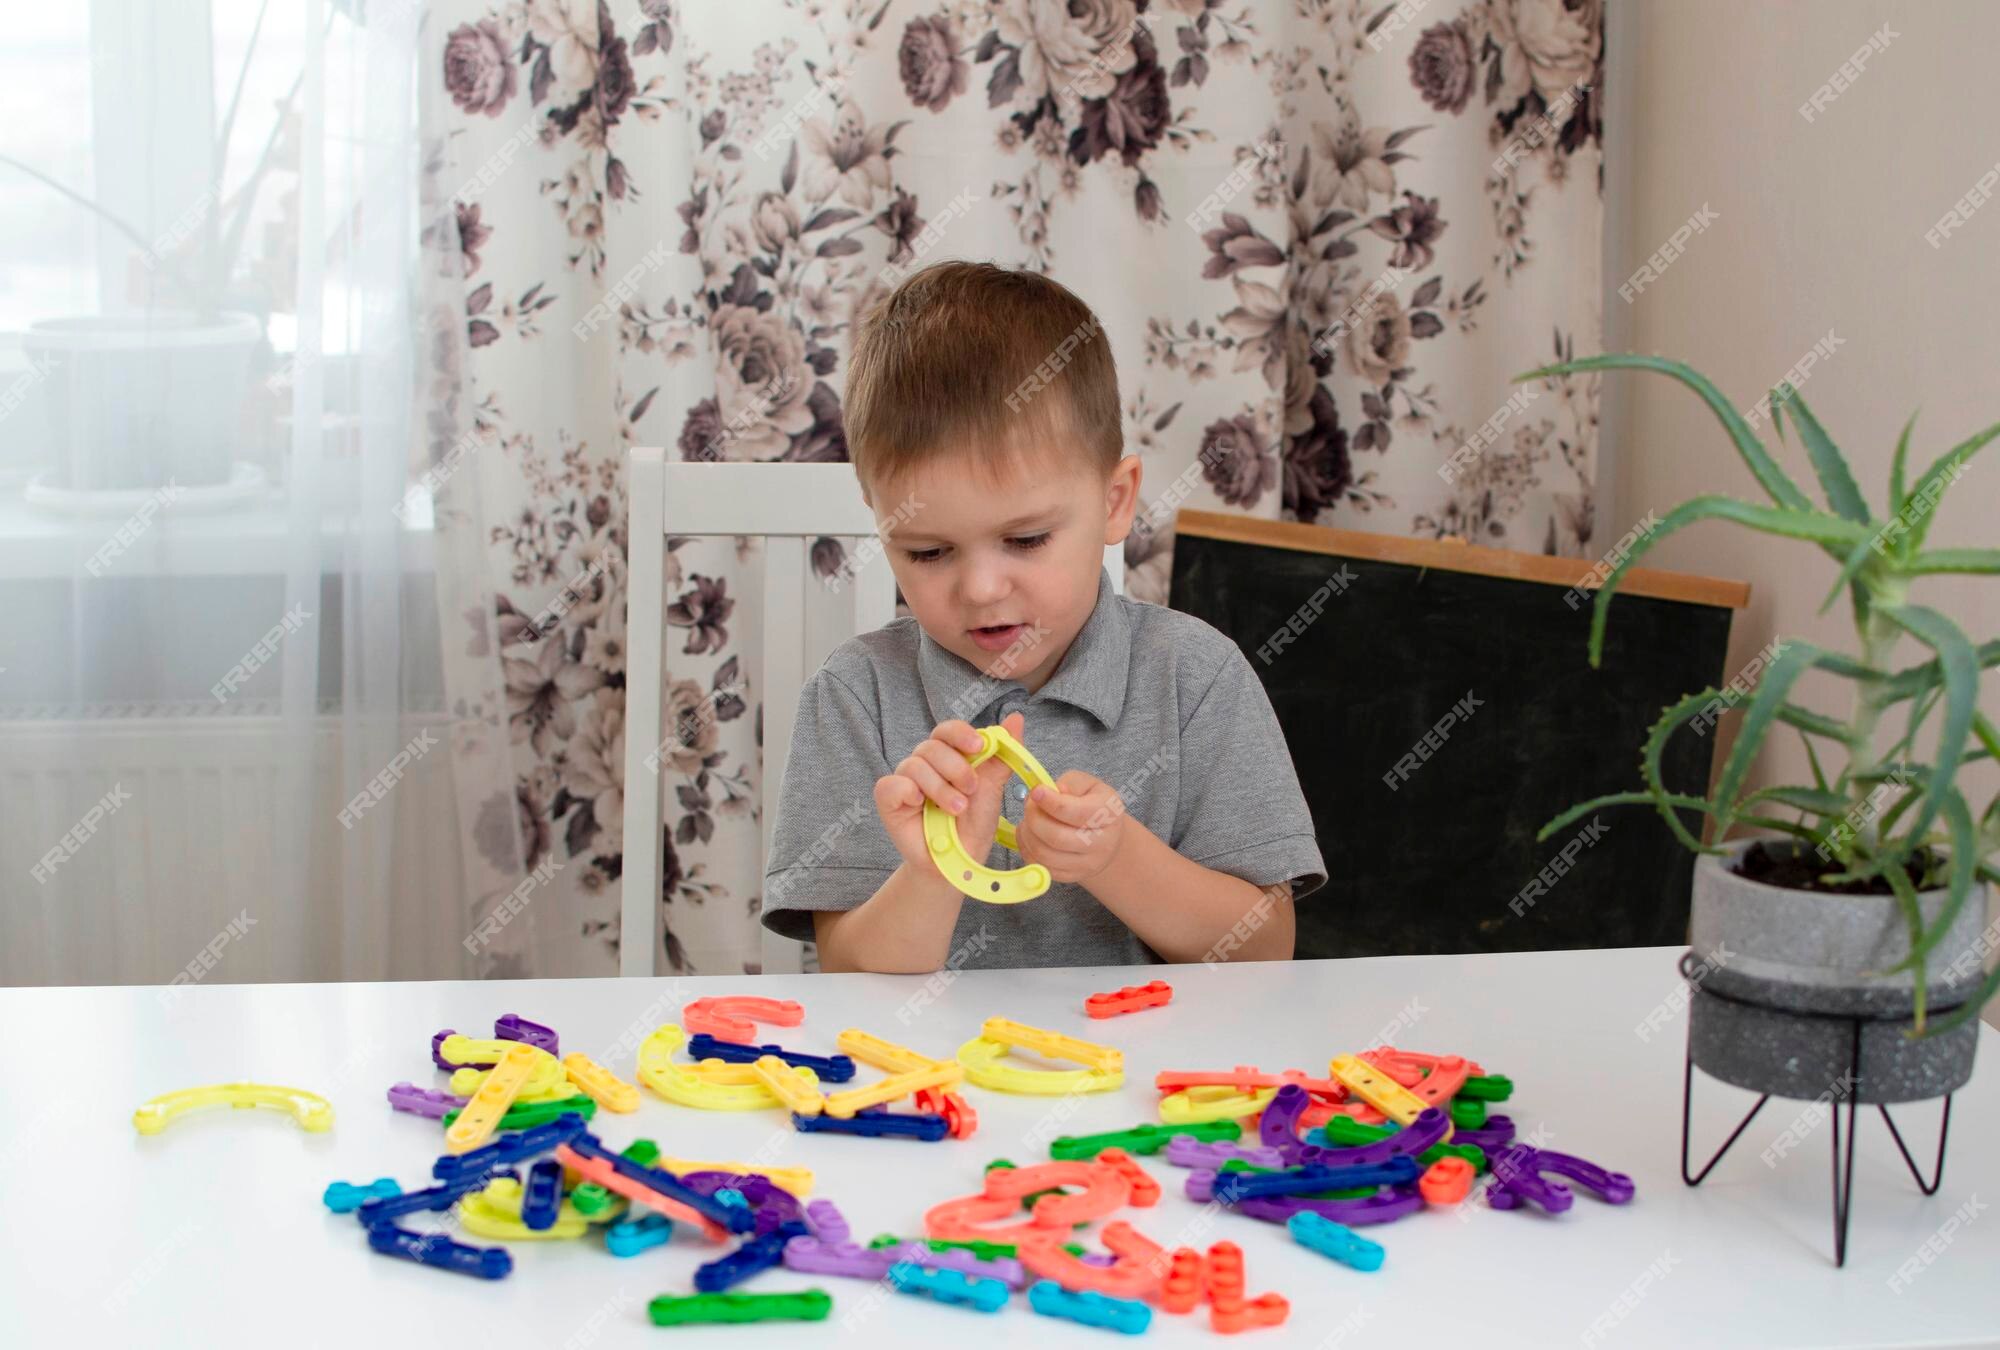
{"x":1323,"y":236}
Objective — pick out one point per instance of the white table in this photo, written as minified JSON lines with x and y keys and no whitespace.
{"x":212,"y":1233}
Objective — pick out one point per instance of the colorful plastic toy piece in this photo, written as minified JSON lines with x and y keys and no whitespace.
{"x":797,"y":1180}
{"x":948,"y":1286}
{"x":1132,"y":998}
{"x":1379,"y":1090}
{"x":586,"y":1154}
{"x":629,"y":1237}
{"x":734,"y":1018}
{"x":1245,"y":1077}
{"x":1145,"y":1190}
{"x":389,"y":1208}
{"x":511,"y":1149}
{"x":948,"y":851}
{"x":800,"y":1098}
{"x":822,"y":1256}
{"x":503,"y":1083}
{"x":1186,"y":1282}
{"x":1345,"y":1132}
{"x":1093,"y":1310}
{"x":435,"y":1249}
{"x":1614,"y":1188}
{"x":830,"y":1068}
{"x":674,"y":1206}
{"x":1517,"y":1177}
{"x":1141,"y":1139}
{"x":984,"y":1065}
{"x":495,"y":1212}
{"x":313,"y":1112}
{"x":541,"y":1197}
{"x":771,"y":1205}
{"x":424,"y":1101}
{"x":1197,"y":1105}
{"x":1385,"y":1206}
{"x":526,"y":1115}
{"x":712,"y":1085}
{"x":437,"y":1053}
{"x":1051,"y":1044}
{"x":1233,"y":1187}
{"x":1433,"y":1079}
{"x":944,"y":1074}
{"x":755,"y":1254}
{"x":807,"y":1305}
{"x":605,"y":1087}
{"x":1496,"y":1132}
{"x":876,"y":1124}
{"x":1492,"y":1087}
{"x":1468,"y":1111}
{"x":472,"y":1052}
{"x":960,"y":1120}
{"x":1338,"y":1241}
{"x":344,"y":1197}
{"x":514,"y":1027}
{"x":1447,"y":1181}
{"x":1106,"y":1189}
{"x":877,"y":1053}
{"x":1138,"y":1270}
{"x":1188,"y":1152}
{"x":1230,"y":1309}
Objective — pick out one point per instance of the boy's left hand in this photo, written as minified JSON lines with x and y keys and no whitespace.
{"x":1074,"y":832}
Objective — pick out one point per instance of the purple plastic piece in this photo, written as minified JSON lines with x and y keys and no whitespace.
{"x":1614,"y":1188}
{"x":1517,"y":1176}
{"x":1278,"y":1126}
{"x":817,"y":1256}
{"x":1391,"y":1202}
{"x":438,"y":1058}
{"x":772,"y":1205}
{"x":1184,"y":1150}
{"x":828,"y":1224}
{"x":1234,"y":1187}
{"x":424,"y":1101}
{"x":514,"y":1027}
{"x":1098,"y":1259}
{"x":1200,"y":1186}
{"x":1497,"y":1132}
{"x":1005,"y":1269}
{"x":1427,"y":1129}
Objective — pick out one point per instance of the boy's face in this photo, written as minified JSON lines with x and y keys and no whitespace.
{"x":1000,"y":566}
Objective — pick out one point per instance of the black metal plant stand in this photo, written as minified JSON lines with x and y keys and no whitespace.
{"x":1843,"y":1160}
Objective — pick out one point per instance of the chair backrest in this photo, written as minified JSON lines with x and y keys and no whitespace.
{"x":786,"y":506}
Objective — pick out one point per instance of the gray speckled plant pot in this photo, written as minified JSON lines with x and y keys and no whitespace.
{"x":1769,"y":963}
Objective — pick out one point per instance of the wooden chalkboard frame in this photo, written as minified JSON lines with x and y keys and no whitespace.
{"x":1440,"y":861}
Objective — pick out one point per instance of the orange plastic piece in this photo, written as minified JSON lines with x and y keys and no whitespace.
{"x":1419,"y":1060}
{"x":1145,"y":1190}
{"x":1106,"y":1189}
{"x":1446,"y":1073}
{"x":1132,"y":998}
{"x":1230,"y":1310}
{"x":1186,"y":1284}
{"x":735,"y":1017}
{"x":971,"y":1218}
{"x":611,"y":1179}
{"x":1247,"y":1078}
{"x":960,"y":1119}
{"x":1138,"y":1272}
{"x":1446,"y":1181}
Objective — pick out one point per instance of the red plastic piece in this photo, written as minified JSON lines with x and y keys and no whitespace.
{"x":1106,"y":1189}
{"x":1139,"y":1270}
{"x":1145,"y":1190}
{"x":959,"y":1117}
{"x":1446,"y":1181}
{"x":1186,"y":1284}
{"x":1246,"y":1077}
{"x":1229,"y":1309}
{"x":973,"y":1218}
{"x":1132,"y":998}
{"x":1435,"y":1078}
{"x":735,"y":1017}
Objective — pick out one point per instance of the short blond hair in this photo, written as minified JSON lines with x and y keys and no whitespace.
{"x":970,"y":358}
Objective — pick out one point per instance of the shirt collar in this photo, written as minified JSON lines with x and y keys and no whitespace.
{"x":1091,"y":677}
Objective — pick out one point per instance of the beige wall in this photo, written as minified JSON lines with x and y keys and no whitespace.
{"x":1819,"y":225}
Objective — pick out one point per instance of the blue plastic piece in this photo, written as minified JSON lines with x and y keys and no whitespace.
{"x":755,"y":1254}
{"x":1336,"y":1240}
{"x":387,"y":1209}
{"x":876,"y":1125}
{"x":1231,"y":1187}
{"x":344,"y":1197}
{"x":949,"y":1286}
{"x":541,"y":1195}
{"x":737,"y":1219}
{"x":830,"y":1068}
{"x":514,"y":1147}
{"x":1093,"y":1310}
{"x":629,"y":1237}
{"x":435,"y":1249}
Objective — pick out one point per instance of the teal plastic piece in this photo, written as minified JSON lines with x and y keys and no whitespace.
{"x":1093,"y":1310}
{"x":1336,"y":1240}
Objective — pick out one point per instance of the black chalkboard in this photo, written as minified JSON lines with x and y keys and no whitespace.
{"x":1443,"y":860}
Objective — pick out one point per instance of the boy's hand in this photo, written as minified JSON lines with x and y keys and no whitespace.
{"x":1075,"y":832}
{"x":937,"y":771}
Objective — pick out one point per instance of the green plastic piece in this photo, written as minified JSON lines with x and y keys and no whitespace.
{"x":1494,"y":1087}
{"x":1140,"y":1139}
{"x":643,"y":1152}
{"x":536,"y":1113}
{"x":1347,"y":1132}
{"x":1467,"y":1113}
{"x":591,"y":1198}
{"x":984,"y":1251}
{"x":673,"y":1310}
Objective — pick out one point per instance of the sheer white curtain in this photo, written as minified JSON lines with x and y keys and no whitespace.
{"x":227,"y":746}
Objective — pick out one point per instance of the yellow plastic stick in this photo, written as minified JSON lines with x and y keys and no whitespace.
{"x":477,"y":1121}
{"x":842,"y":1105}
{"x":1379,"y":1090}
{"x":800,"y":1097}
{"x":948,"y":851}
{"x":1196,"y":1105}
{"x":313,"y":1112}
{"x":877,"y":1053}
{"x":983,"y":1062}
{"x":546,"y":1083}
{"x":1052,"y":1044}
{"x":604,"y":1087}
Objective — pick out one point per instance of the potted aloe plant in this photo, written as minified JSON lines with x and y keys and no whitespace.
{"x":1860,"y":899}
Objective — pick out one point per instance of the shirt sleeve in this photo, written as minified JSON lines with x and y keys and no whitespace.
{"x":1241,"y":811}
{"x":828,"y":848}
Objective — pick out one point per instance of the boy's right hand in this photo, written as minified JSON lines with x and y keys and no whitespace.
{"x":937,"y":771}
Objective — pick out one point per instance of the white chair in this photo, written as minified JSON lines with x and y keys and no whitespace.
{"x":786,"y":506}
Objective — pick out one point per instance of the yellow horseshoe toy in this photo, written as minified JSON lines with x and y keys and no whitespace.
{"x":948,"y":852}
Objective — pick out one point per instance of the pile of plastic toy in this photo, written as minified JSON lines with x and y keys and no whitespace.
{"x":1386,"y":1133}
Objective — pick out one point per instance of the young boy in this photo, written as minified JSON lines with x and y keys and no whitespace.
{"x":982,"y":417}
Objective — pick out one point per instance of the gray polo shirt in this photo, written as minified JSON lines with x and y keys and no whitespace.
{"x":1154,"y":702}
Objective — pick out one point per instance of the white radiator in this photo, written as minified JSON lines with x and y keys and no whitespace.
{"x":181,"y":871}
